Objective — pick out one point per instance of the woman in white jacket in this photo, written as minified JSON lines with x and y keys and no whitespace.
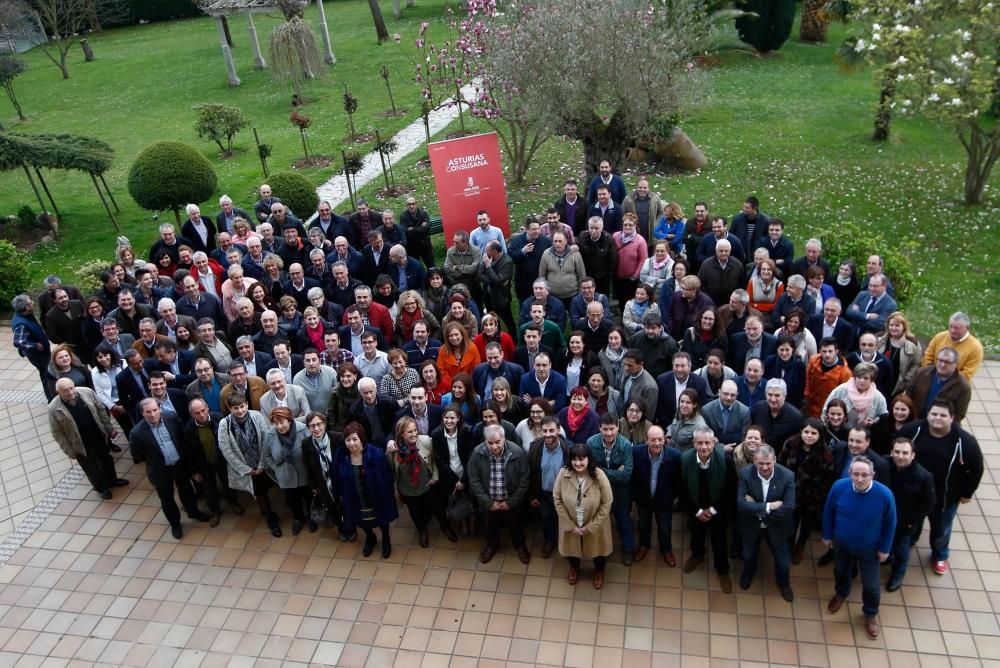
{"x":103,"y":374}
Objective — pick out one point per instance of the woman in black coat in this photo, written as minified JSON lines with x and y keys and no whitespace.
{"x":317,"y":453}
{"x":453,"y":438}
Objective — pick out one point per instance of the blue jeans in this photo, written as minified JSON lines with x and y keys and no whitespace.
{"x":941,"y":521}
{"x":868,"y":565}
{"x":547,"y":514}
{"x":901,"y":544}
{"x":624,"y":522}
{"x":779,"y":548}
{"x":662,"y":517}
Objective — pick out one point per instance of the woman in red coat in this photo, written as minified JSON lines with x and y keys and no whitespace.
{"x":632,"y":253}
{"x":491,"y":333}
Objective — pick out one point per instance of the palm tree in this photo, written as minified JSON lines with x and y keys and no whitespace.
{"x":814,"y":21}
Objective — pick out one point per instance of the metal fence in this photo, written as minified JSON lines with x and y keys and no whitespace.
{"x":26,"y":33}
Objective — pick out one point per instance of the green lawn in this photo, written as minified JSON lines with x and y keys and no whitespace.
{"x":790,"y":129}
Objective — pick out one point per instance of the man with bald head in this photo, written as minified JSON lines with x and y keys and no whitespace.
{"x":727,"y":417}
{"x":721,"y":274}
{"x":297,"y":286}
{"x":406,"y":272}
{"x":83,"y":429}
{"x":205,"y":461}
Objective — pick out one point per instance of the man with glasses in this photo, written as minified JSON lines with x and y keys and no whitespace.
{"x":331,"y":224}
{"x":941,"y":381}
{"x":208,"y":385}
{"x":212,"y":346}
{"x":417,"y":223}
{"x":251,"y":387}
{"x":372,"y":362}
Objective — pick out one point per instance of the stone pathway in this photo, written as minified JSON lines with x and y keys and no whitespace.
{"x":408,"y":139}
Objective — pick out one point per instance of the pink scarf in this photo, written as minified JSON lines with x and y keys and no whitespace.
{"x":860,"y":402}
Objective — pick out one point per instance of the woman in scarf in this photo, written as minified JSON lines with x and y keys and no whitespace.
{"x":290,"y":321}
{"x":603,"y":399}
{"x":234,"y":289}
{"x":656,"y":269}
{"x":688,"y":418}
{"x":785,"y":364}
{"x":795,"y":327}
{"x":313,"y":330}
{"x":436,"y":385}
{"x":634,"y":425}
{"x":345,"y":394}
{"x":290,"y":467}
{"x":246,"y":441}
{"x":363,"y":480}
{"x":512,"y":408}
{"x":612,"y":358}
{"x":865,"y":404}
{"x":764,"y":287}
{"x":707,"y":335}
{"x":457,"y":354}
{"x":578,"y":420}
{"x":400,"y":380}
{"x":745,"y":450}
{"x":582,"y":499}
{"x":636,"y":308}
{"x":413,"y":467}
{"x":386,"y":294}
{"x":411,"y":309}
{"x":460,"y":315}
{"x":672,"y":285}
{"x":809,"y":456}
{"x":632,"y":253}
{"x":317,"y":453}
{"x":491,"y":334}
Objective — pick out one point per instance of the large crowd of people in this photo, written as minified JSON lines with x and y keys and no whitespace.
{"x":653,"y":365}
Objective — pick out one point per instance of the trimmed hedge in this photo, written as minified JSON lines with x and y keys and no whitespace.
{"x":296,"y":192}
{"x":170,"y":175}
{"x":770,"y":28}
{"x":856,"y":242}
{"x":14,"y":277}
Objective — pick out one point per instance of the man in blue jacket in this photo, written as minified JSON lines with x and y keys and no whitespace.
{"x":859,"y":523}
{"x":544,"y":382}
{"x":656,"y":473}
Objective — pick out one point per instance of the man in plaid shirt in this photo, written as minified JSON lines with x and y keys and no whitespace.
{"x":498,"y":477}
{"x":334,"y":355}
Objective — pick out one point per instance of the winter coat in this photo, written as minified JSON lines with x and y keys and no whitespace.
{"x":378,"y":481}
{"x":596,"y":501}
{"x":239,"y":469}
{"x":631,"y":257}
{"x":516,"y":475}
{"x":64,"y":429}
{"x":564,"y":281}
{"x":820,"y":383}
{"x":289,"y":465}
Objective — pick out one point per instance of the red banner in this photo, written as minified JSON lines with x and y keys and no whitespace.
{"x":468,"y":178}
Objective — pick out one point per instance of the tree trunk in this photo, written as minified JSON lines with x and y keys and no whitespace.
{"x":9,"y":87}
{"x":883,"y":113}
{"x":982,"y":149}
{"x":397,"y":9}
{"x":380,"y":29}
{"x":88,"y":53}
{"x":603,"y":142}
{"x":814,"y":21}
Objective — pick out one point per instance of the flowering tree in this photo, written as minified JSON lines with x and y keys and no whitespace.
{"x":441,"y":70}
{"x":600,"y":71}
{"x":939,"y":59}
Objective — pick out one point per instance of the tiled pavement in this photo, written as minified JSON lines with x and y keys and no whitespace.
{"x":104,"y":583}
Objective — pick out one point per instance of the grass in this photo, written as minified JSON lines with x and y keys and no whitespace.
{"x":789,"y":128}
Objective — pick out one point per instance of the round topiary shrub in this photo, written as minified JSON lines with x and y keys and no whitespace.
{"x":170,"y":175}
{"x":13,"y":272}
{"x":295,"y":191}
{"x":856,"y":242}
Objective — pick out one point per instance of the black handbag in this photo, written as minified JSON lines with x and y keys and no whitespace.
{"x":459,"y":506}
{"x":320,"y":514}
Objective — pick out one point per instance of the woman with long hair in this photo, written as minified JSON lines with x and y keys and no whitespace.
{"x":902,"y":349}
{"x":436,"y":385}
{"x":491,"y":414}
{"x":845,"y":282}
{"x":764,"y":287}
{"x":416,"y":474}
{"x":706,"y":335}
{"x":657,"y":267}
{"x":343,"y":396}
{"x":94,"y":314}
{"x":715,"y":372}
{"x":491,"y":333}
{"x":290,"y":467}
{"x":436,"y":293}
{"x":582,"y":498}
{"x":530,"y":428}
{"x":745,"y":450}
{"x":457,"y":354}
{"x":64,"y":364}
{"x":400,"y":380}
{"x":363,"y":480}
{"x":788,"y":366}
{"x":612,"y":358}
{"x":688,"y":418}
{"x":107,"y":365}
{"x":670,"y":227}
{"x":318,"y":455}
{"x":274,"y":274}
{"x":512,"y":408}
{"x":577,"y":361}
{"x":808,"y":455}
{"x":261,"y":298}
{"x":384,"y":292}
{"x":901,"y":411}
{"x":578,"y":419}
{"x":603,"y":399}
{"x":634,"y":425}
{"x":463,"y":395}
{"x":795,"y":327}
{"x":453,"y":443}
{"x":835,"y":421}
{"x":413,"y":308}
{"x":636,"y":308}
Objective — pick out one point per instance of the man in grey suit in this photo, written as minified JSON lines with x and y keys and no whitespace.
{"x":872,"y":307}
{"x":727,"y":417}
{"x":284,"y":394}
{"x":316,"y":380}
{"x":638,"y":383}
{"x":765,"y":499}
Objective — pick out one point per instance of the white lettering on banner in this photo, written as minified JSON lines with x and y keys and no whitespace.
{"x":467,"y":162}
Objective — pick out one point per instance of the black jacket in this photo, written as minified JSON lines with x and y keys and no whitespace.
{"x":442,"y":458}
{"x":535,"y":465}
{"x":668,"y":478}
{"x":144,"y":448}
{"x":913,"y":488}
{"x":386,"y":410}
{"x":194,"y":454}
{"x":955,"y":460}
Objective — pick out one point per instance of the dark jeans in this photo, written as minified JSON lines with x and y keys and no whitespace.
{"x":422,"y":250}
{"x":901,"y":544}
{"x":546,"y":512}
{"x":807,"y":520}
{"x":41,"y":362}
{"x":714,"y":529}
{"x":298,"y":499}
{"x":941,"y":521}
{"x":868,"y":566}
{"x":624,"y":523}
{"x":662,"y":517}
{"x":603,"y":286}
{"x":422,"y":508}
{"x":176,"y":476}
{"x":600,"y":563}
{"x":213,"y":474}
{"x":625,"y":290}
{"x":99,"y":466}
{"x":779,"y":548}
{"x":497,"y":518}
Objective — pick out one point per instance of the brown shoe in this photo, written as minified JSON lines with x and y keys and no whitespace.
{"x":574,"y":573}
{"x":640,"y":553}
{"x":213,"y":521}
{"x":487,"y":553}
{"x":872,"y":627}
{"x":599,"y":580}
{"x":669,"y":559}
{"x":523,"y":554}
{"x":692,"y":563}
{"x":726,"y":583}
{"x":834,"y":605}
{"x":797,"y":553}
{"x":547,"y":550}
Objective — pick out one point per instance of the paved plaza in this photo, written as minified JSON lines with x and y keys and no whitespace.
{"x":91,"y":582}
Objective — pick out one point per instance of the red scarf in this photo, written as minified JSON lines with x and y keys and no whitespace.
{"x":575,"y":419}
{"x":410,"y":456}
{"x":315,"y":335}
{"x":408,"y":320}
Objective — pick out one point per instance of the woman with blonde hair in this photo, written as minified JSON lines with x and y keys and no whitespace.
{"x":865,"y":404}
{"x":512,"y":407}
{"x":416,"y":473}
{"x":670,"y":226}
{"x":413,"y":308}
{"x":902,"y":349}
{"x":764,"y":287}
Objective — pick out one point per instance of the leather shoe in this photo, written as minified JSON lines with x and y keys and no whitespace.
{"x":692,"y":563}
{"x":726,"y":583}
{"x":894,"y":583}
{"x":175,"y":531}
{"x":213,"y":521}
{"x":640,"y":553}
{"x":826,"y":559}
{"x":835,"y":603}
{"x":574,"y":573}
{"x":120,"y":482}
{"x":745,"y":581}
{"x":199,"y":516}
{"x":105,"y":494}
{"x":367,"y":549}
{"x":669,"y":559}
{"x":797,"y":553}
{"x":486,"y":554}
{"x":787,"y":593}
{"x":598,"y":579}
{"x":386,"y":549}
{"x":422,"y":538}
{"x":523,"y":554}
{"x":872,"y":627}
{"x":547,"y":550}
{"x":296,"y":527}
{"x":450,"y":534}
{"x":627,"y":559}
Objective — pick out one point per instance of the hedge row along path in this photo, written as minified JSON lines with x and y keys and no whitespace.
{"x":408,"y":140}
